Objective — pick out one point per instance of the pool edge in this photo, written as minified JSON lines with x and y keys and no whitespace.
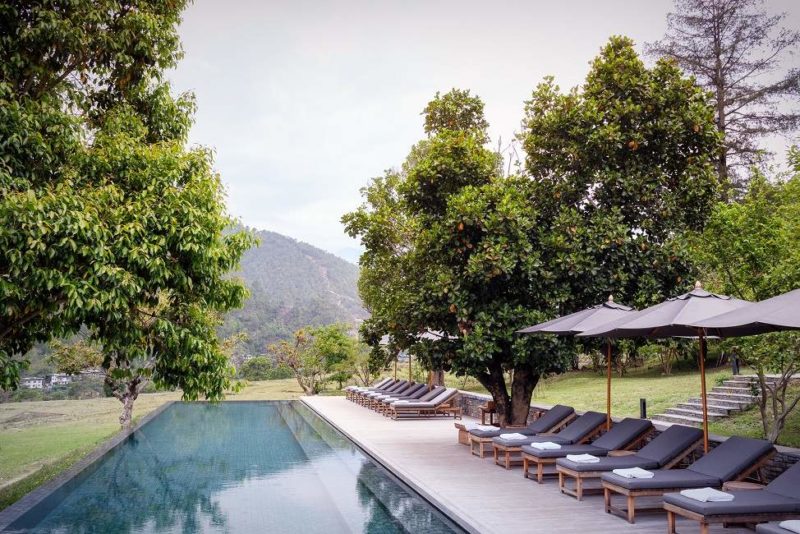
{"x":31,"y":499}
{"x":431,"y":499}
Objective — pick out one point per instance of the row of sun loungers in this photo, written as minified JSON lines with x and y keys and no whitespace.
{"x":626,"y":465}
{"x":404,"y":399}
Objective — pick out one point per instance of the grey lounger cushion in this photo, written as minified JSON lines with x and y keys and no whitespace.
{"x":439,"y":399}
{"x":554,"y":415}
{"x":574,"y":432}
{"x":609,"y":463}
{"x":745,"y":502}
{"x":782,"y":495}
{"x":721,"y":464}
{"x":620,"y":435}
{"x":664,"y":447}
{"x":771,"y":528}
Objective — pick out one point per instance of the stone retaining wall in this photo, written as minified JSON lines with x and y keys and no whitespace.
{"x":471,"y":402}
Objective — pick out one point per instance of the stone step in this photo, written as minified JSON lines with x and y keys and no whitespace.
{"x":724,"y":403}
{"x":716,"y":408}
{"x":730,"y":389}
{"x":680,"y":419}
{"x":698,"y":414}
{"x":738,"y":397}
{"x":745,"y":382}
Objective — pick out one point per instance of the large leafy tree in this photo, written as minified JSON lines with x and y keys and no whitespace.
{"x":108,"y":219}
{"x":615,"y":172}
{"x":751,"y":249}
{"x":742,"y":55}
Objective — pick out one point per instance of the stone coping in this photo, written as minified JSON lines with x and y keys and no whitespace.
{"x":35,"y":497}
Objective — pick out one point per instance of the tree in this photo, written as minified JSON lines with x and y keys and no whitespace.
{"x":615,"y":173}
{"x":108,"y":219}
{"x":736,"y":51}
{"x":314,"y":354}
{"x":256,"y":368}
{"x":751,"y":249}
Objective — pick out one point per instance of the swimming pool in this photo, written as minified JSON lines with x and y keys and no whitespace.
{"x":234,"y":467}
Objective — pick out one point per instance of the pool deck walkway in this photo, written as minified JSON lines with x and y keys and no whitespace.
{"x":479,"y":495}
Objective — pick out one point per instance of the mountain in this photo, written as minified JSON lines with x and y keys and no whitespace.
{"x":292,"y":284}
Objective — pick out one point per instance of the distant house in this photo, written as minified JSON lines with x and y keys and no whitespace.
{"x":57,"y":379}
{"x":32,"y":382}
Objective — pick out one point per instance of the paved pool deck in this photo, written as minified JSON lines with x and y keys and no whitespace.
{"x":480,"y":496}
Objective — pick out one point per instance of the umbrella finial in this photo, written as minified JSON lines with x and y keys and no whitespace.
{"x":611,"y":298}
{"x":698,"y":285}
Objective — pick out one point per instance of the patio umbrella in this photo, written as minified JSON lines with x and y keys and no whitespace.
{"x":675,"y":317}
{"x":581,"y":321}
{"x":771,"y":315}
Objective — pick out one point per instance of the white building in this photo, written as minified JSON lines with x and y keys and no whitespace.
{"x":32,"y":382}
{"x":59,"y":379}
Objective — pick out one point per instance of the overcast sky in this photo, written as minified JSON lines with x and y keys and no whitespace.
{"x":305,"y":100}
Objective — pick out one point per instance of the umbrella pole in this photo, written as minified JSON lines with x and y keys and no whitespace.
{"x":608,"y":385}
{"x":395,"y":366}
{"x":703,"y":389}
{"x":410,"y":357}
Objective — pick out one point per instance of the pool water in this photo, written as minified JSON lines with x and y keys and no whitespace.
{"x":234,"y":467}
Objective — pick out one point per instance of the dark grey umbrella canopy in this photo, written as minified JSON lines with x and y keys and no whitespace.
{"x":581,"y":321}
{"x":771,"y":315}
{"x":675,"y":317}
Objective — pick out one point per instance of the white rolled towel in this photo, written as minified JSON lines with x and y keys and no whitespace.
{"x":707,"y":495}
{"x":475,"y":426}
{"x":514,"y":435}
{"x":634,"y":472}
{"x":583,"y":458}
{"x":792,"y":525}
{"x":545,"y":445}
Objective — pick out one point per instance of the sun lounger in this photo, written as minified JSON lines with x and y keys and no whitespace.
{"x":627,"y":434}
{"x":364,"y":396}
{"x":664,"y":451}
{"x":553,"y":419}
{"x":374,"y":399}
{"x":349,"y":391}
{"x":442,"y":404}
{"x":424,"y":394}
{"x":357,"y":392}
{"x":735,"y":459}
{"x":778,"y":500}
{"x":578,"y":430}
{"x":777,"y":527}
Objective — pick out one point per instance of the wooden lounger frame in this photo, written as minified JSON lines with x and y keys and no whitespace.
{"x":629,"y":512}
{"x":540,"y":463}
{"x":706,"y":521}
{"x":580,"y":476}
{"x":446,"y":408}
{"x":483,"y":442}
{"x":506,"y":451}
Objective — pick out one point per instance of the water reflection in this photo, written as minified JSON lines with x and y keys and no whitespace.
{"x":234,"y":467}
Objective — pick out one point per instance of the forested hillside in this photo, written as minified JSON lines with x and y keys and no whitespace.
{"x":292,"y":284}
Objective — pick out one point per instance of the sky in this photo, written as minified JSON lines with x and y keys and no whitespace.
{"x":303,"y":101}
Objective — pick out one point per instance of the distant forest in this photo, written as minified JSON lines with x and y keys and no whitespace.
{"x":292,"y":284}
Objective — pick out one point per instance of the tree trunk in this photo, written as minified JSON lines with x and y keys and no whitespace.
{"x":436,"y":378}
{"x":522,"y":387}
{"x":495,"y":384}
{"x":127,"y":398}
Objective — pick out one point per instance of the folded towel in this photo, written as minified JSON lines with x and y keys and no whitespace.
{"x":485,"y":428}
{"x":792,"y":525}
{"x":545,"y":445}
{"x":514,"y":435}
{"x":707,"y":495}
{"x":633,"y":472}
{"x":583,"y":458}
{"x":471,"y":426}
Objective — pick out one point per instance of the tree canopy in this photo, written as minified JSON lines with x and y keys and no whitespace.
{"x":109,"y":220}
{"x":615,"y":173}
{"x":739,"y":53}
